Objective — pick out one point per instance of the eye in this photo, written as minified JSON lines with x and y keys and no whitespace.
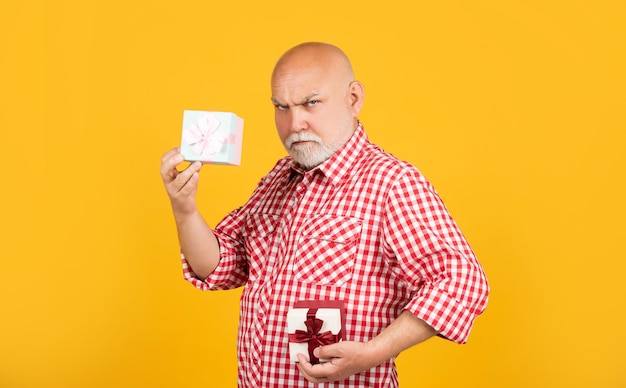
{"x":312,"y":102}
{"x":281,"y":107}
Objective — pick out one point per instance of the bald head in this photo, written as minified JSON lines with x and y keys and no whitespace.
{"x":315,"y":56}
{"x":316,"y":101}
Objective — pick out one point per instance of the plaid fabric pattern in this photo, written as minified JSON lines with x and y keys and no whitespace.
{"x":363,"y":227}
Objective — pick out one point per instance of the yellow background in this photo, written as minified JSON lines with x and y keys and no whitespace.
{"x":514,"y":109}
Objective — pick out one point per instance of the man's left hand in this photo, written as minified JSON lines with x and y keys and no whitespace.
{"x":346,"y":359}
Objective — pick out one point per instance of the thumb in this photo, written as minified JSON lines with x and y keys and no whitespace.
{"x":325,"y":351}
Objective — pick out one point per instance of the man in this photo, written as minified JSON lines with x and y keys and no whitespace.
{"x":339,"y":219}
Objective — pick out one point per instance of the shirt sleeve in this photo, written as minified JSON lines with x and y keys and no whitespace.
{"x":231,"y":271}
{"x":432,"y":256}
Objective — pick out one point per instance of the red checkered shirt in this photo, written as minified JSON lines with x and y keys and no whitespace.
{"x":363,"y":227}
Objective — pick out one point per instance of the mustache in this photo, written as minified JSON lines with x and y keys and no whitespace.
{"x":301,"y":136}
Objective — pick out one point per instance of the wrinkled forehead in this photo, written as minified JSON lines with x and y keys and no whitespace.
{"x":297,"y":79}
{"x":295,"y":76}
{"x":296,"y":83}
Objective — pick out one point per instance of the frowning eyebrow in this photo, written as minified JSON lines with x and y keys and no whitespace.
{"x":306,"y":99}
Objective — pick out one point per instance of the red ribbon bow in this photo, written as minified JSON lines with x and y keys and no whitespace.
{"x":312,"y":335}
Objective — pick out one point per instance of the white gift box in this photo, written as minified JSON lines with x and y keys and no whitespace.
{"x":212,"y":137}
{"x":314,"y":323}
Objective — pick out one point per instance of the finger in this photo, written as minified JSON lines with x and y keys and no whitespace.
{"x":317,"y":371}
{"x":168,"y":166}
{"x":169,"y":153}
{"x":302,"y":360}
{"x":186,"y":181}
{"x":190,"y":186}
{"x":305,"y":368}
{"x":328,"y":351}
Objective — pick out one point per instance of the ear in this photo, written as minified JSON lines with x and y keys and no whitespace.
{"x":356,"y":93}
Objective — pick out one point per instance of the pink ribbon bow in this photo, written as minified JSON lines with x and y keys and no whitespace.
{"x":204,"y":138}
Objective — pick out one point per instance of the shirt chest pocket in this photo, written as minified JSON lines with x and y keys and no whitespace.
{"x":258,"y":234}
{"x":326,"y":250}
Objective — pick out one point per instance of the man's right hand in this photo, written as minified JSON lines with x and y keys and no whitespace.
{"x":197,"y":241}
{"x":181,"y":186}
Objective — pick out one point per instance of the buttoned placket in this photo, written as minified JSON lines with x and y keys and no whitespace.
{"x":285,"y":247}
{"x":290,"y":224}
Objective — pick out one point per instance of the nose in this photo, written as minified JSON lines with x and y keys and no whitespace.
{"x":297,"y":119}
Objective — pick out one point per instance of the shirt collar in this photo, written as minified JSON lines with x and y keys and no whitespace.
{"x":338,"y":166}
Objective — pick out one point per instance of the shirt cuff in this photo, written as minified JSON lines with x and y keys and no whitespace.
{"x":443,"y":312}
{"x":224,"y":277}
